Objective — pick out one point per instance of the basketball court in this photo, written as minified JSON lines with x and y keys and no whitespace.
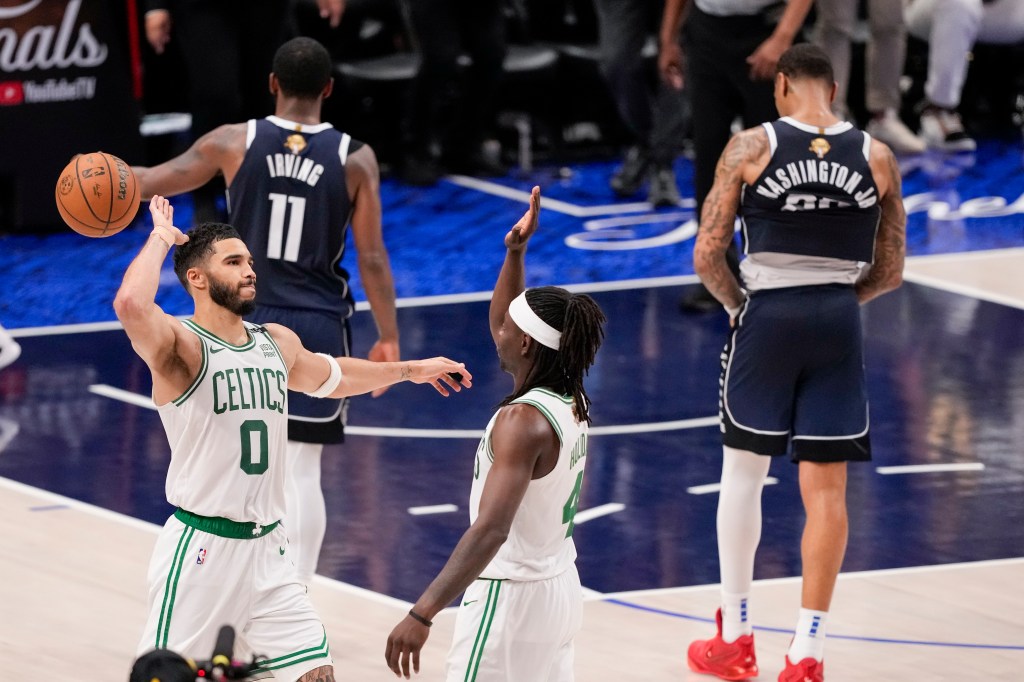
{"x":931,"y":582}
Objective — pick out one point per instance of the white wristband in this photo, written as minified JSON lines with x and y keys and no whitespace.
{"x":733,"y":312}
{"x":332,"y":381}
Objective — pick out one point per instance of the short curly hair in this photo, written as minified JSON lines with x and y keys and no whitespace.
{"x":199,"y":247}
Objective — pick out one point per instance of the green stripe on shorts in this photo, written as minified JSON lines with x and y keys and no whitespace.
{"x":320,"y":651}
{"x":477,"y":654}
{"x":163,"y":625}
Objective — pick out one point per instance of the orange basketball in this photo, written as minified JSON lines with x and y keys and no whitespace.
{"x":97,"y":194}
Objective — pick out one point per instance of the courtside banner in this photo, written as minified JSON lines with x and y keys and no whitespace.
{"x":65,"y":88}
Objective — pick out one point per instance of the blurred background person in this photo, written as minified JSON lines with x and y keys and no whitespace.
{"x":653,"y":111}
{"x":883,"y":65}
{"x":227,"y":47}
{"x":951,"y":28}
{"x":727,"y":61}
{"x":452,"y":112}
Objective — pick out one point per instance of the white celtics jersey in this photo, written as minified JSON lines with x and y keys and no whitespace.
{"x":228,"y":431}
{"x":539,"y":544}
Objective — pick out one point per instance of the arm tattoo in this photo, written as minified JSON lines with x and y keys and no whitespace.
{"x":322,"y":674}
{"x":406,"y":372}
{"x":886,"y":271}
{"x":717,"y":223}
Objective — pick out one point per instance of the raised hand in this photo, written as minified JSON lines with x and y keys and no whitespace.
{"x":521,"y":232}
{"x":163,"y":220}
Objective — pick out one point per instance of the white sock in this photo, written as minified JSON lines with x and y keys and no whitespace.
{"x":305,"y":520}
{"x":809,"y":641}
{"x":735,"y":622}
{"x":739,"y":532}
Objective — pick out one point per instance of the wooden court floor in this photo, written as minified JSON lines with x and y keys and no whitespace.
{"x":73,"y":586}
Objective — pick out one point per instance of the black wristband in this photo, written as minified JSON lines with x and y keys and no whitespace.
{"x":419,"y":619}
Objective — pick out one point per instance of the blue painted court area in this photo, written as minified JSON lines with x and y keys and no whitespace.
{"x":447,"y":239}
{"x":944,"y":382}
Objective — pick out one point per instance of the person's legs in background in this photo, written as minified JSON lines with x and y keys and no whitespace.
{"x":951,"y":28}
{"x":883,"y":65}
{"x":482,"y":26}
{"x":305,"y":520}
{"x":884,"y":61}
{"x":652,"y":111}
{"x":437,"y":36}
{"x":717,"y":74}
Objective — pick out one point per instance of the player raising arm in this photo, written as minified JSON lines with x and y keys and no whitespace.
{"x":220,"y":385}
{"x":516,"y":562}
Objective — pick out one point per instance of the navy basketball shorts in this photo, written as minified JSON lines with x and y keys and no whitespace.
{"x":313,"y":420}
{"x":793,"y":371}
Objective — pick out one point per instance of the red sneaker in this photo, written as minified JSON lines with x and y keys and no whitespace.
{"x":807,"y":670}
{"x":727,"y":660}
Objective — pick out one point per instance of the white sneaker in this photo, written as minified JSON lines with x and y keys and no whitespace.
{"x":943,"y":129}
{"x":888,"y":128}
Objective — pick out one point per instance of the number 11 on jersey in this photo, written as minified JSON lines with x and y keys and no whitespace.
{"x":281,"y":204}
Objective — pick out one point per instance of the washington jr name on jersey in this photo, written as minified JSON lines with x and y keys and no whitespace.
{"x":808,"y":171}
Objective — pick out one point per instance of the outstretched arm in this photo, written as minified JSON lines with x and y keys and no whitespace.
{"x":362,"y":177}
{"x":308,"y":372}
{"x":219,"y":151}
{"x":519,"y":437}
{"x":886,"y":272}
{"x":512,"y":278}
{"x":156,"y":336}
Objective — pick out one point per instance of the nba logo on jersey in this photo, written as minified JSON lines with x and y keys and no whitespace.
{"x":201,"y":558}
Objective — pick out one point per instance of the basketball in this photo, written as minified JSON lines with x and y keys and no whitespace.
{"x":97,"y":194}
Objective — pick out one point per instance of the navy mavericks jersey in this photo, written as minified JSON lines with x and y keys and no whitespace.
{"x":291,"y":206}
{"x":817,"y":196}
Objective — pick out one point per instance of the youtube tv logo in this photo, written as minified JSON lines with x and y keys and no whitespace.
{"x":11,"y":93}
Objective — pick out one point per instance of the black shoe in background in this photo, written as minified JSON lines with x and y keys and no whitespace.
{"x":662,"y":190}
{"x":628,"y":177}
{"x":699,"y":300}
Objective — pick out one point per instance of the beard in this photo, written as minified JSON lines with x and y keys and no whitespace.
{"x":228,"y":297}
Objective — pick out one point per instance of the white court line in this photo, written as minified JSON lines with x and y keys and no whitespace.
{"x":676,"y":425}
{"x":122,"y":395}
{"x":598,"y":512}
{"x":433,"y":509}
{"x":715,"y":487}
{"x":132,"y":522}
{"x":964,"y":255}
{"x":929,"y":468}
{"x":963,"y":289}
{"x":408,"y":302}
{"x":548,"y":204}
{"x":394,"y":432}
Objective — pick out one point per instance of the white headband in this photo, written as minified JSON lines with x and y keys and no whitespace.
{"x":522,"y":314}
